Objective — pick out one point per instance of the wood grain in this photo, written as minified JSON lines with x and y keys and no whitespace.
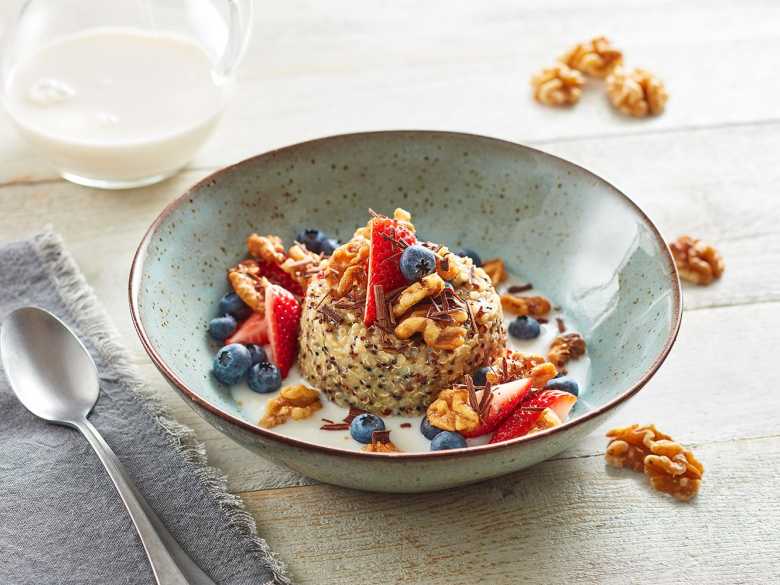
{"x":560,"y":522}
{"x":317,"y":68}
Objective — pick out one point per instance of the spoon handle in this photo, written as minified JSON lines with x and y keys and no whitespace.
{"x":170,"y":564}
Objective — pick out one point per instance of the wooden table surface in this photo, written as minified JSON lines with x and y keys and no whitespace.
{"x":708,"y":166}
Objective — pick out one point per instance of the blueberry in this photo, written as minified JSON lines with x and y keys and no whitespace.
{"x":231,"y":363}
{"x":312,"y":239}
{"x":565,"y":384}
{"x":231,"y":304}
{"x":447,"y":440}
{"x":427,"y":429}
{"x":258,"y":354}
{"x":329,"y":246}
{"x":416,"y":262}
{"x":467,"y":253}
{"x":264,"y":378}
{"x":363,"y":425}
{"x":479,"y":376}
{"x":524,"y":327}
{"x":222,"y":327}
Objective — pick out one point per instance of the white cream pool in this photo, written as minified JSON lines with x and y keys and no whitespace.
{"x":406,"y":439}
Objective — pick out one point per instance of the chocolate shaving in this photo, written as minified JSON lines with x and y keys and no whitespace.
{"x":487,"y":398}
{"x":472,"y":393}
{"x":382,"y":313}
{"x":531,"y":409}
{"x":504,"y":370}
{"x":406,"y":425}
{"x":330,"y":314}
{"x":373,"y":213}
{"x":542,"y":320}
{"x":561,"y":325}
{"x":380,"y":437}
{"x":327,"y":420}
{"x":353,"y":413}
{"x":335,"y":427}
{"x":519,"y":288}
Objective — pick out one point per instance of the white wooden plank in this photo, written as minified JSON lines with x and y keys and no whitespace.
{"x":318,"y":68}
{"x":560,"y":522}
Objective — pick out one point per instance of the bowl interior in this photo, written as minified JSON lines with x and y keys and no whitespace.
{"x":570,"y":233}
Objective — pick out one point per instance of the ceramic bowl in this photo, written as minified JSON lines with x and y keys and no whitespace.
{"x":571,"y":233}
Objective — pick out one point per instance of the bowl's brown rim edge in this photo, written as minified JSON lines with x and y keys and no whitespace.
{"x":134,"y":288}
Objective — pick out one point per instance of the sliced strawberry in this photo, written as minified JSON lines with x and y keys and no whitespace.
{"x":284,"y":315}
{"x":275,"y":274}
{"x":388,"y":240}
{"x":251,"y":331}
{"x":526,"y":416}
{"x":505,"y":399}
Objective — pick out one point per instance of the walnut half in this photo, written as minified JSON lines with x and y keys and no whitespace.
{"x":630,"y":445}
{"x":637,"y":93}
{"x":294,"y":402}
{"x":565,"y":347}
{"x":451,"y":411}
{"x":596,"y":57}
{"x":557,"y":86}
{"x":696,"y":261}
{"x":673,"y":469}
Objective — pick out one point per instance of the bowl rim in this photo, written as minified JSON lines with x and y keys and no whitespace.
{"x":134,"y":286}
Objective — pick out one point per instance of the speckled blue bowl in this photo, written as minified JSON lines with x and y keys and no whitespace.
{"x":573,"y":234}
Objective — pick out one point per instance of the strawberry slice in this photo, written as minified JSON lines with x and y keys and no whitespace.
{"x":284,"y":315}
{"x":526,"y":416}
{"x":505,"y":399}
{"x":275,"y":274}
{"x":253,"y":330}
{"x":388,"y":240}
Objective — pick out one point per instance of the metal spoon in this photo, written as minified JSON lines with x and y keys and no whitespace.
{"x":54,"y":377}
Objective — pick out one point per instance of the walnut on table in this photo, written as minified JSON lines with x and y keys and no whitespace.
{"x":669,"y":466}
{"x":637,"y":93}
{"x":596,"y":57}
{"x":557,"y":86}
{"x":295,"y":402}
{"x":674,"y":470}
{"x":565,"y":347}
{"x":696,"y":261}
{"x":630,"y":445}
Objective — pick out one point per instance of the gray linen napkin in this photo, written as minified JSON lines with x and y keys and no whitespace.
{"x":61,"y":521}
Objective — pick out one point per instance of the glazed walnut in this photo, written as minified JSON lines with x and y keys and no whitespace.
{"x":696,"y":261}
{"x":296,"y":402}
{"x":557,"y":86}
{"x":565,"y":347}
{"x":267,"y":248}
{"x":429,"y":286}
{"x":596,"y":57}
{"x":249,"y":285}
{"x":436,"y":335}
{"x":630,"y":445}
{"x":515,"y":365}
{"x":536,"y":306}
{"x":496,"y":270}
{"x":637,"y":93}
{"x":451,"y":411}
{"x":381,"y":447}
{"x":674,"y":470}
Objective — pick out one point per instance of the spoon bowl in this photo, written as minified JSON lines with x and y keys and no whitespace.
{"x":48,"y":367}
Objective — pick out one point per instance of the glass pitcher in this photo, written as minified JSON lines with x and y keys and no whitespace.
{"x":121,"y":94}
